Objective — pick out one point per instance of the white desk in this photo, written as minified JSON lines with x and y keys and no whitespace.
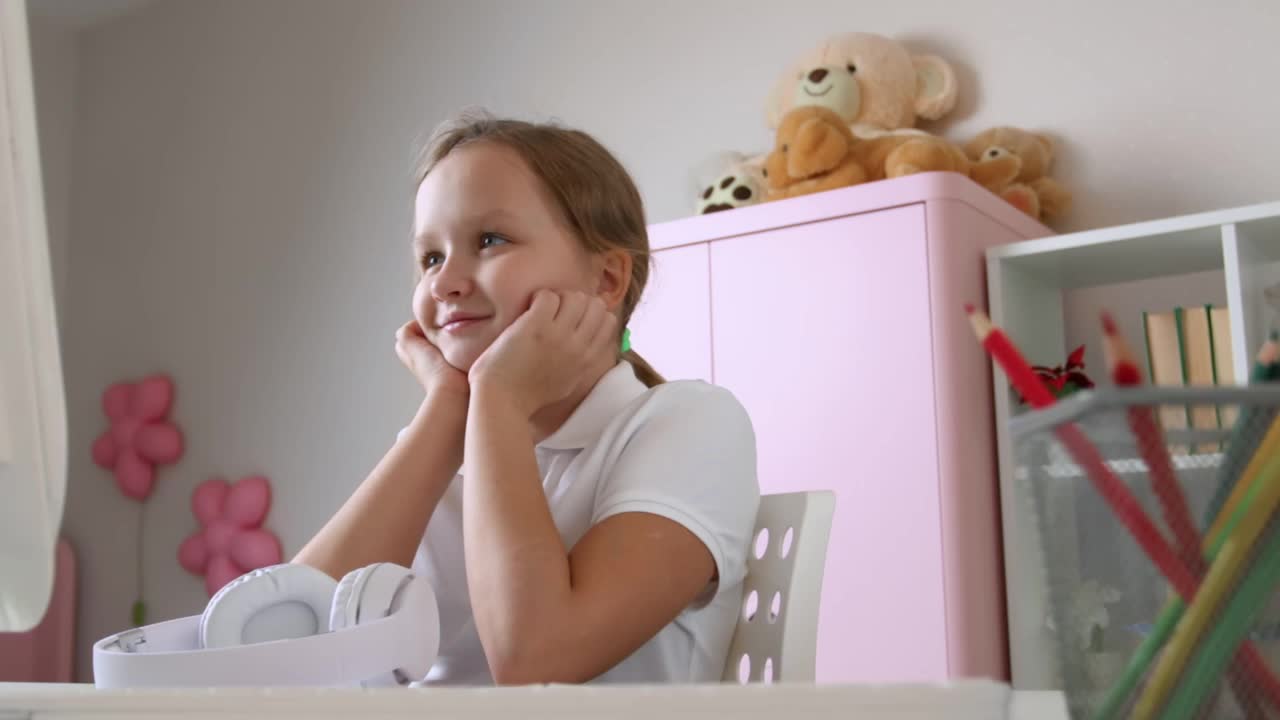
{"x":83,"y":702}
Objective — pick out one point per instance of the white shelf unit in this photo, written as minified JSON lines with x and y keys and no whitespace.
{"x":1032,"y":289}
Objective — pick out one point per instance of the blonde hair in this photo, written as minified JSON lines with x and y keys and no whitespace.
{"x":593,"y":191}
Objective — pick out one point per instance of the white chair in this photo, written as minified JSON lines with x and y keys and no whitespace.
{"x":777,"y":633}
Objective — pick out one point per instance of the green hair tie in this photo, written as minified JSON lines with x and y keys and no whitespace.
{"x":626,"y":340}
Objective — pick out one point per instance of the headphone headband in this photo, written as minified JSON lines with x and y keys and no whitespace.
{"x":168,"y":654}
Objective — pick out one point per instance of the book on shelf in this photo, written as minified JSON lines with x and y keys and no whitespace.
{"x":1191,"y":347}
{"x":1197,"y":361}
{"x":1164,"y":364}
{"x":1224,"y":366}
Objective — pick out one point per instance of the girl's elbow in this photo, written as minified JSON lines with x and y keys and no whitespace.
{"x":533,"y":668}
{"x":510,"y":673}
{"x":515,"y":662}
{"x":518,"y":671}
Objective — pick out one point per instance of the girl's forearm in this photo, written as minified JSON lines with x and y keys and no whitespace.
{"x":517,"y":565}
{"x":385,"y":518}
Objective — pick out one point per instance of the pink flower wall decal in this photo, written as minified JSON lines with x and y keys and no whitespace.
{"x":141,"y":436}
{"x":231,"y":540}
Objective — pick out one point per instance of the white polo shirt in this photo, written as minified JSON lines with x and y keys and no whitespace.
{"x":684,"y":450}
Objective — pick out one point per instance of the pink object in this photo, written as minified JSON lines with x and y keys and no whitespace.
{"x":677,"y":294}
{"x":46,"y":653}
{"x":835,"y":318}
{"x":231,"y":540}
{"x":140,"y":436}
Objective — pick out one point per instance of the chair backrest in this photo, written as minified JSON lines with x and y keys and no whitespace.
{"x":777,"y":633}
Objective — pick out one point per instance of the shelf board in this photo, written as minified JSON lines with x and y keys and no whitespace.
{"x":1174,"y":246}
{"x":1118,"y":260}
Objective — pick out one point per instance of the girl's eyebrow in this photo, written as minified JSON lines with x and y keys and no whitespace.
{"x":491,"y":215}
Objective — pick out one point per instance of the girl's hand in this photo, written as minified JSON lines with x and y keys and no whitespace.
{"x":543,"y":356}
{"x":427,"y":364}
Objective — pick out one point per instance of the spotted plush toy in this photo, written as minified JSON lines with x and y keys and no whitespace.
{"x":739,"y":184}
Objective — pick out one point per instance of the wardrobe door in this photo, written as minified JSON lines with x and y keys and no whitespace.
{"x":671,"y":327}
{"x":822,"y":331}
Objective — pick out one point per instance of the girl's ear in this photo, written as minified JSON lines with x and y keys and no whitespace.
{"x":613,"y":271}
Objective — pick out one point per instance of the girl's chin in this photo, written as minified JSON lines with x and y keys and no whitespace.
{"x":462,"y":349}
{"x":463,"y":357}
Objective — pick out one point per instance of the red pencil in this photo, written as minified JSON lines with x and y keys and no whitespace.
{"x":1122,"y":502}
{"x":1010,"y":359}
{"x":1151,"y":444}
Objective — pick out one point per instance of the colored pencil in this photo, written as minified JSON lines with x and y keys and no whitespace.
{"x":1149,"y":437}
{"x":1258,"y":671}
{"x":1257,"y":588}
{"x":1228,"y":570}
{"x":1247,"y":443}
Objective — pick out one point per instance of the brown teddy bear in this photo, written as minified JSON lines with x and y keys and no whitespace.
{"x":814,"y":151}
{"x":1014,"y":164}
{"x":895,"y":155}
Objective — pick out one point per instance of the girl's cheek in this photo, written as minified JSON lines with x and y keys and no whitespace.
{"x":422,"y":303}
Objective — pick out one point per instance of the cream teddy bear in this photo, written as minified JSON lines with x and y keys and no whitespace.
{"x":878,"y":89}
{"x":873,"y":82}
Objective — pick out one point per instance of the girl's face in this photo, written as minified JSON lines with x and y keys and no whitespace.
{"x":487,"y":236}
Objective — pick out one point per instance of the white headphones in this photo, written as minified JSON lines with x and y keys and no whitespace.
{"x":286,"y":625}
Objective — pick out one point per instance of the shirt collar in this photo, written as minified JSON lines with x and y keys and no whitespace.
{"x":612,"y":393}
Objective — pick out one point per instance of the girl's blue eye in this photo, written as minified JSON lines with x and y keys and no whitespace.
{"x":431,"y":259}
{"x":489,"y":240}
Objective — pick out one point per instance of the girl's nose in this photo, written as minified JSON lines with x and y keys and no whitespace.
{"x":452,"y":281}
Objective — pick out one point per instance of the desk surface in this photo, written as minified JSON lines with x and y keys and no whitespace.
{"x":537,"y":702}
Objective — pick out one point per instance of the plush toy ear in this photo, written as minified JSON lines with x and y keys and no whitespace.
{"x":816,"y":148}
{"x":781,"y":97}
{"x":935,"y":86}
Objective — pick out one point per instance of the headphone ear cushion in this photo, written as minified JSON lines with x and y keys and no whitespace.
{"x":371,"y":594}
{"x":417,"y":599}
{"x":366,"y":594}
{"x":338,"y":612}
{"x":271,"y":603}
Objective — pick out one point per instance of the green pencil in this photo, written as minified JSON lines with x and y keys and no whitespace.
{"x":1206,"y":667}
{"x":1247,"y":432}
{"x":1143,"y":657}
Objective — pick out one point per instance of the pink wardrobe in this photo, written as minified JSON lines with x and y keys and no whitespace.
{"x":837,"y":319}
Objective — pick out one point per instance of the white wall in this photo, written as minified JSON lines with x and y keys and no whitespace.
{"x":240,"y":207}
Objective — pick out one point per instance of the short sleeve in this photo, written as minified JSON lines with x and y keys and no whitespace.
{"x":689,"y":454}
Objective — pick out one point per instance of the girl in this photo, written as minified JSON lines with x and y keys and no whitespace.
{"x":578,"y":517}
